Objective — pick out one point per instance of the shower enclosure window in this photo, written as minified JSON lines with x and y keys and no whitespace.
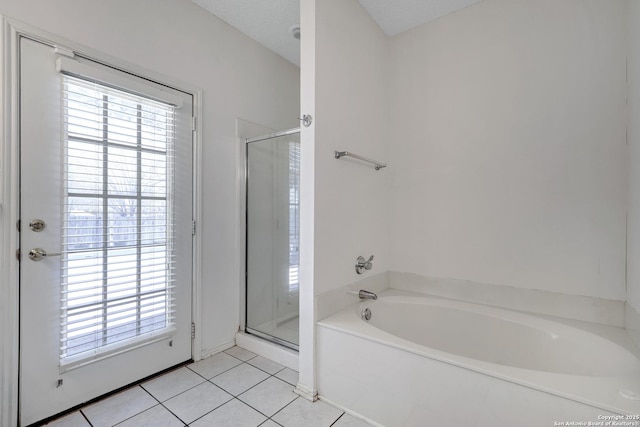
{"x":272,"y":258}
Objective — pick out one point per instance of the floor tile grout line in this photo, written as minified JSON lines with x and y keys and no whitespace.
{"x":281,"y":409}
{"x":216,"y":385}
{"x":144,"y":410}
{"x":255,"y":356}
{"x":259,"y":411}
{"x":227,"y":391}
{"x":237,"y":397}
{"x":154,"y":397}
{"x":244,"y":403}
{"x":175,"y":415}
{"x":337,"y":419}
{"x":176,"y":395}
{"x":272,"y":376}
{"x":257,"y":367}
{"x":216,"y":408}
{"x":205,"y":379}
{"x":268,"y":418}
{"x":163,"y":405}
{"x":209,"y":379}
{"x":133,"y":387}
{"x":285,"y":381}
{"x":285,"y":368}
{"x":199,"y":384}
{"x":255,"y":409}
{"x":159,"y":403}
{"x":245,"y":361}
{"x":273,"y":421}
{"x":85,"y":416}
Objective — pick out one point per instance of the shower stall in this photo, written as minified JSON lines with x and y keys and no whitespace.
{"x":272,"y":236}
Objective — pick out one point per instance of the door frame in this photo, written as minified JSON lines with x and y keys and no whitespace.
{"x":10,"y":33}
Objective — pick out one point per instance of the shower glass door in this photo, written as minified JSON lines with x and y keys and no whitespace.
{"x":273,"y":195}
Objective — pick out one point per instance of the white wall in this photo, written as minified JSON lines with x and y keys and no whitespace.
{"x":351,"y":84}
{"x":307,"y":379}
{"x":239,"y":78}
{"x":508,"y":146}
{"x":633,"y":255}
{"x":343,"y":203}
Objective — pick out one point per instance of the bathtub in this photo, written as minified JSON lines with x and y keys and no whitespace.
{"x":424,"y":360}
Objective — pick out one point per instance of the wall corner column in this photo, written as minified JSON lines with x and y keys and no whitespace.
{"x":307,"y":385}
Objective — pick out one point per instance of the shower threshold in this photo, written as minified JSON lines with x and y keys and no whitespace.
{"x":273,"y":338}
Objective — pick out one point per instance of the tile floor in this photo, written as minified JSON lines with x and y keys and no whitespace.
{"x":232,"y":388}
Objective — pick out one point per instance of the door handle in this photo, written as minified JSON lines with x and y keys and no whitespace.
{"x":38,"y":254}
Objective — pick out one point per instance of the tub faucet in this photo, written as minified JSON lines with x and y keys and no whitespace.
{"x":367,"y":295}
{"x":363,"y":264}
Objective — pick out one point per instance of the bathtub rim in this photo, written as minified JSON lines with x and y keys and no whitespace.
{"x":599,"y":392}
{"x":618,"y":336}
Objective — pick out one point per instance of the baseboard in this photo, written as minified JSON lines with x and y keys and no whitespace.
{"x":350,"y":412}
{"x":206,"y":352}
{"x":305,"y":392}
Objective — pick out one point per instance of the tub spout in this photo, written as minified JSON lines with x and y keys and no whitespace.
{"x":367,"y":295}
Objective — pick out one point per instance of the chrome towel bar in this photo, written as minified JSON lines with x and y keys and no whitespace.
{"x":376,"y":164}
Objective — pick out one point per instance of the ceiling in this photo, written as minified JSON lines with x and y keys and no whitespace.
{"x":398,"y":16}
{"x":268,"y":22}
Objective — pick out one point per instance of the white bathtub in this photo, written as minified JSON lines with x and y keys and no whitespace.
{"x":424,"y":360}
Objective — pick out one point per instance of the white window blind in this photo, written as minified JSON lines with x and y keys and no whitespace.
{"x":294,"y":216}
{"x":118,"y":223}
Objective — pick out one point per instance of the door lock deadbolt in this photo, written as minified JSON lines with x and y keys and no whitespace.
{"x":37,"y":225}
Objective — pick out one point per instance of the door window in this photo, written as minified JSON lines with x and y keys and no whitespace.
{"x":117,"y":270}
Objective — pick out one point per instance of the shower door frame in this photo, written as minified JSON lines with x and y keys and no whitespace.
{"x":246,"y":328}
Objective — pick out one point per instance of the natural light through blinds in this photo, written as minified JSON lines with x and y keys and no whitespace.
{"x":294,"y":216}
{"x":118,"y":222}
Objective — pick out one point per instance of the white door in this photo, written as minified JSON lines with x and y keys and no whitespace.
{"x":106,"y":240}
